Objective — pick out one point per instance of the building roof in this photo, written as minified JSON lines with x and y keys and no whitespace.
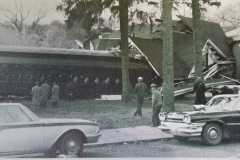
{"x":55,"y":51}
{"x":57,"y":56}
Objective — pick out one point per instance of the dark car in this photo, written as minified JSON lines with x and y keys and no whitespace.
{"x":212,"y":123}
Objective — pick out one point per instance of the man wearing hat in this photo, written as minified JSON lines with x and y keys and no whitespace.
{"x":156,"y":104}
{"x":140,"y":90}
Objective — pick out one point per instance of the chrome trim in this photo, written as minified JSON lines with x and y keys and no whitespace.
{"x":31,"y":125}
{"x":182,"y":129}
{"x":231,"y":124}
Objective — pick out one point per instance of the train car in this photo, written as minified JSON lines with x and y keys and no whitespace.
{"x":21,"y":67}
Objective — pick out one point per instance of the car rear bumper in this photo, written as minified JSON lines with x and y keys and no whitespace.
{"x":93,"y":138}
{"x":182,"y":129}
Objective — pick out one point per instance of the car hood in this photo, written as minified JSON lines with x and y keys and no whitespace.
{"x":170,"y":114}
{"x":67,"y":121}
{"x":196,"y":116}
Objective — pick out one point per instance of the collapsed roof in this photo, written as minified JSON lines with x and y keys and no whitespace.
{"x":149,"y":40}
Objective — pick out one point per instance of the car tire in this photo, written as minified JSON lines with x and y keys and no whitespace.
{"x":71,"y":145}
{"x":212,"y":134}
{"x":181,"y":139}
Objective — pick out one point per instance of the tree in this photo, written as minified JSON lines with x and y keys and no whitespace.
{"x":23,"y":23}
{"x":18,"y":18}
{"x":168,"y":87}
{"x":25,"y":29}
{"x":123,"y":6}
{"x":85,"y":14}
{"x":196,"y":14}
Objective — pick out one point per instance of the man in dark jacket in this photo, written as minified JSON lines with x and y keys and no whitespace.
{"x":45,"y":93}
{"x":55,"y":94}
{"x":199,"y":88}
{"x":72,"y":89}
{"x":140,"y":90}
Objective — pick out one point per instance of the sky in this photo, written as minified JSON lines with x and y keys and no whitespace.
{"x":35,"y":7}
{"x":48,"y":8}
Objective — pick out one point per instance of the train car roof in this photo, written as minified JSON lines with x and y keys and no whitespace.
{"x":57,"y":51}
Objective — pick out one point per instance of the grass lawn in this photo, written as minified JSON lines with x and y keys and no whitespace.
{"x":109,"y":114}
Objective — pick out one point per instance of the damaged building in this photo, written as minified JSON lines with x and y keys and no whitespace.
{"x":146,"y":42}
{"x":234,"y":37}
{"x":22,"y":66}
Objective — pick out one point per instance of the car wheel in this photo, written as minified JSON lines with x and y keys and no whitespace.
{"x":181,"y":139}
{"x":71,"y":145}
{"x":212,"y":134}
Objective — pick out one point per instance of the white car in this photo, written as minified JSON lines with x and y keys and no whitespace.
{"x":22,"y":133}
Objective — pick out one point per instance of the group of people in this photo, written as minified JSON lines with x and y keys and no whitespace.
{"x":78,"y":87}
{"x":85,"y":87}
{"x":141,"y":91}
{"x":44,"y":93}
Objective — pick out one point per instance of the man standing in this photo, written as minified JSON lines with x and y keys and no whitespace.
{"x":199,"y":88}
{"x":156,"y":104}
{"x":72,"y":89}
{"x":55,"y":94}
{"x":140,"y":90}
{"x":36,"y":95}
{"x":45,"y":93}
{"x":107,"y":87}
{"x":116,"y":86}
{"x":86,"y":88}
{"x":97,"y":87}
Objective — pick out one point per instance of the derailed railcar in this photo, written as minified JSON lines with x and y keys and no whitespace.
{"x":21,"y":67}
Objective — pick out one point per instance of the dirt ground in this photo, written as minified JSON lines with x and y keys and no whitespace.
{"x":109,"y":114}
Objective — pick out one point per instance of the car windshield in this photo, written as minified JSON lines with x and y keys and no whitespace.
{"x":13,"y":114}
{"x":30,"y":113}
{"x":224,"y":104}
{"x":220,"y":100}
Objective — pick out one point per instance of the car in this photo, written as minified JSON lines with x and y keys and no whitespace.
{"x":212,"y":124}
{"x":23,"y":133}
